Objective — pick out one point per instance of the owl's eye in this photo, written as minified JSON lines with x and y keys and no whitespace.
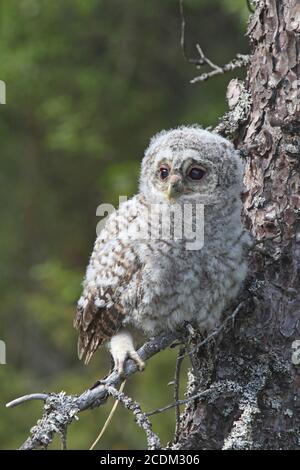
{"x":195,"y":173}
{"x":163,"y":172}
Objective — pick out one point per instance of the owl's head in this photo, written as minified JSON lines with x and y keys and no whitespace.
{"x":190,"y":164}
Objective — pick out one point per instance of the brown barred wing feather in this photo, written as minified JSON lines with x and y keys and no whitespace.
{"x":96,"y":325}
{"x":112,"y":266}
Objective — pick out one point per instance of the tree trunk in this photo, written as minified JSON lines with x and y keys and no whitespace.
{"x":253,"y":369}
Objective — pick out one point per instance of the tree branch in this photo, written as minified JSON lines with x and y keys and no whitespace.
{"x":178,"y":403}
{"x":176,"y":390}
{"x":182,"y":36}
{"x":140,"y":417}
{"x":216,"y":331}
{"x":32,"y":396}
{"x":60,"y":409}
{"x":213,"y":391}
{"x":241,"y":60}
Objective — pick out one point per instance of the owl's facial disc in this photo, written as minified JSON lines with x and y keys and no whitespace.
{"x":177,"y":178}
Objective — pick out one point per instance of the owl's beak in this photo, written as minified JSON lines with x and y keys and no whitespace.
{"x":174,"y":187}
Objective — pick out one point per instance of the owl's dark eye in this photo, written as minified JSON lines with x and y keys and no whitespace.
{"x":163,"y":172}
{"x":196,"y":173}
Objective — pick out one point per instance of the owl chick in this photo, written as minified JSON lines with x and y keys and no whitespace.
{"x":139,"y":277}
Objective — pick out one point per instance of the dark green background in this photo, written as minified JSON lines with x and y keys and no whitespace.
{"x":88,"y":83}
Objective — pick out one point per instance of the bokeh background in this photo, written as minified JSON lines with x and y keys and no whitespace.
{"x":88,"y":83}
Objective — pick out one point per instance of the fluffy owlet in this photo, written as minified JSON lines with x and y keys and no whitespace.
{"x":175,"y":252}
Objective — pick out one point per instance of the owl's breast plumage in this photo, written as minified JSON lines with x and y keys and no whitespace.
{"x":174,"y":284}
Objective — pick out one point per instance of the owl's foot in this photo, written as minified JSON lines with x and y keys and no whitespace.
{"x":191,"y":330}
{"x":122,"y":348}
{"x":192,"y":333}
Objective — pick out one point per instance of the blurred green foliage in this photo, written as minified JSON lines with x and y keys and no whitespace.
{"x":88,"y":83}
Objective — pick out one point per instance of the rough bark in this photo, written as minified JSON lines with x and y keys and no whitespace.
{"x":253,"y":369}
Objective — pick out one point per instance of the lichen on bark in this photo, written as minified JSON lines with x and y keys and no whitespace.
{"x":262,"y":409}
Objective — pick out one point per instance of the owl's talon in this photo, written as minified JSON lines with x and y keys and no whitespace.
{"x":192,"y":333}
{"x":191,"y":330}
{"x":120,"y":362}
{"x":136,"y":358}
{"x":122,"y":348}
{"x":119,"y":366}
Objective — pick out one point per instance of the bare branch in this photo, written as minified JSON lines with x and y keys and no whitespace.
{"x":241,"y":60}
{"x":108,"y":420}
{"x":178,"y":403}
{"x":183,"y":35}
{"x":205,"y":60}
{"x":176,"y":390}
{"x":32,"y":396}
{"x":217,"y":331}
{"x":60,"y":409}
{"x":214,"y":390}
{"x":140,"y":417}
